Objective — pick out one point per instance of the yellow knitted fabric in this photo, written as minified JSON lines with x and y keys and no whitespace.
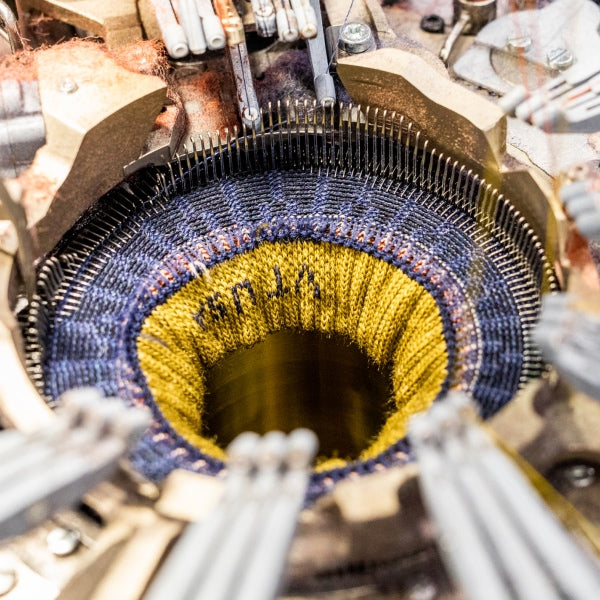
{"x":294,"y":285}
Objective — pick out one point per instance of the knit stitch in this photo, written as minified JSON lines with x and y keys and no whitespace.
{"x":157,"y":289}
{"x":294,"y":285}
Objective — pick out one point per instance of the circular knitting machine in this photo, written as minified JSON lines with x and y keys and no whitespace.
{"x":330,"y":272}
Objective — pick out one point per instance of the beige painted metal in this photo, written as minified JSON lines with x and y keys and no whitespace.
{"x":92,"y":132}
{"x":461,"y":124}
{"x":182,"y":485}
{"x":115,"y":21}
{"x":399,"y":80}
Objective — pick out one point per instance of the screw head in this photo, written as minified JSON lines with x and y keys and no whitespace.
{"x":62,"y":541}
{"x":433,"y":24}
{"x":68,"y":86}
{"x":560,"y":58}
{"x":519,"y":44}
{"x":356,"y":37}
{"x":580,"y":475}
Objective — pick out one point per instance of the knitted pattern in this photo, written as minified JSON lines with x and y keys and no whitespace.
{"x":154,"y":288}
{"x":293,"y":285}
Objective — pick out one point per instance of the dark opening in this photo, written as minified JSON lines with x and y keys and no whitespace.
{"x":299,"y":379}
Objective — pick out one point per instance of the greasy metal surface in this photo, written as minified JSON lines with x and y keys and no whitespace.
{"x":298,"y":379}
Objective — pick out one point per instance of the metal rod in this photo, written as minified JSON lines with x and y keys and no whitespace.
{"x":317,"y":52}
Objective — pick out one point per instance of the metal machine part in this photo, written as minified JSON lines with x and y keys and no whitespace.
{"x":264,"y":15}
{"x":531,"y":37}
{"x":54,"y":467}
{"x":581,"y":199}
{"x":12,"y":212}
{"x":499,"y":538}
{"x":22,"y":129}
{"x":369,"y":535}
{"x":470,"y":16}
{"x":319,"y":62}
{"x":86,"y":105}
{"x":173,"y":34}
{"x":9,"y":28}
{"x":115,"y":21}
{"x":297,"y":145}
{"x":240,"y":550}
{"x":246,"y":94}
{"x":568,"y":335}
{"x":356,"y":38}
{"x":526,"y":43}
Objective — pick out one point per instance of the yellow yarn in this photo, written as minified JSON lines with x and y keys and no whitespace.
{"x":322,"y":287}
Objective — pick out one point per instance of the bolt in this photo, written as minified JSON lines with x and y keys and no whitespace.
{"x":580,"y":476}
{"x":560,"y":58}
{"x":62,"y":541}
{"x":356,"y":38}
{"x":519,"y":44}
{"x":433,"y":24}
{"x":68,"y":86}
{"x":423,"y":589}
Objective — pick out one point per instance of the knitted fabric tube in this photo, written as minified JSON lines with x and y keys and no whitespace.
{"x":156,"y":286}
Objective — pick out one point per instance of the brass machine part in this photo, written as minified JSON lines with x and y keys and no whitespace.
{"x":464,"y":125}
{"x":231,"y":21}
{"x":98,"y":116}
{"x":115,"y":21}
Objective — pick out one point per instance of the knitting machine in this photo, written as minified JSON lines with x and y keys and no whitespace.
{"x":276,"y":217}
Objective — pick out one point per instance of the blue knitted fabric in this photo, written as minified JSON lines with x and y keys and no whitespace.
{"x":129,"y":244}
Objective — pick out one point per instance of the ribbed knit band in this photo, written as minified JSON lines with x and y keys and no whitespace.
{"x":331,"y":236}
